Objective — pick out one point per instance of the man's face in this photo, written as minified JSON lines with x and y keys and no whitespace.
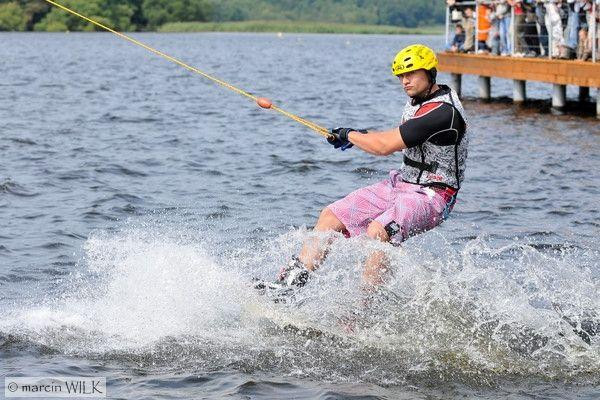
{"x":468,"y":12}
{"x":415,"y":83}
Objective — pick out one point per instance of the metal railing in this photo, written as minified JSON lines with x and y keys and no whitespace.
{"x":594,"y":28}
{"x":539,"y":30}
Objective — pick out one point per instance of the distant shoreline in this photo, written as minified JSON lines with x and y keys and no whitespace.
{"x":296,"y":27}
{"x":276,"y":27}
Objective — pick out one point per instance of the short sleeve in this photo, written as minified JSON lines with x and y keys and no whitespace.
{"x":437,"y":122}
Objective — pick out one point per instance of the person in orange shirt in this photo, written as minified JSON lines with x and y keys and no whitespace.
{"x":483,"y":27}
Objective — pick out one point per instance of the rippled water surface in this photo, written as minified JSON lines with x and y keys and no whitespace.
{"x":137,"y":200}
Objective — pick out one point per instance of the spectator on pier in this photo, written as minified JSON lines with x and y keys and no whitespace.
{"x":585,"y":34}
{"x":573,"y":9}
{"x":483,"y":27}
{"x":518,"y":27}
{"x":554,"y":27}
{"x":540,"y":13}
{"x":584,"y":50}
{"x":455,"y":11}
{"x":503,"y":16}
{"x":557,"y":28}
{"x":531,"y":35}
{"x":592,"y":23}
{"x":468,"y":23}
{"x":457,"y":17}
{"x":563,"y":11}
{"x":458,"y":42}
{"x":585,"y":13}
{"x":456,"y":14}
{"x":494,"y":35}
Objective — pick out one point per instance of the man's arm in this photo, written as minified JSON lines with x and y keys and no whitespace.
{"x":437,"y":122}
{"x":378,"y":143}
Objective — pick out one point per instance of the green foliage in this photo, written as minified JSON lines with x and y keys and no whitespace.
{"x":151,"y":14}
{"x":35,"y":10}
{"x":342,"y":11}
{"x":293,"y":26}
{"x":411,"y":13}
{"x":12,"y":17}
{"x":108,"y":12}
{"x":404,"y":13}
{"x":159,"y":12}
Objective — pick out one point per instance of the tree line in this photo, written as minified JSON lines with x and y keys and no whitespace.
{"x":142,"y":15}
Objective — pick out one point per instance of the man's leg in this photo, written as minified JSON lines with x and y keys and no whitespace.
{"x":415,"y":210}
{"x":356,"y":210}
{"x":313,"y":252}
{"x":377,"y":265}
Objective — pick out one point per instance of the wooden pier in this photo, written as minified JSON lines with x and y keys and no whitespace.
{"x":559,"y":73}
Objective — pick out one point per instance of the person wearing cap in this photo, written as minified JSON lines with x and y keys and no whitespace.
{"x":420,"y":195}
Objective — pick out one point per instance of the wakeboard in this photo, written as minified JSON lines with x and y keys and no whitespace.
{"x":280,"y":308}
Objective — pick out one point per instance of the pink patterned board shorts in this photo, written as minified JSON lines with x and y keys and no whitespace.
{"x":404,"y":209}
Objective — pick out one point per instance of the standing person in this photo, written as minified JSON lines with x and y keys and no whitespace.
{"x":563,"y":11}
{"x":531,"y":35}
{"x":572,"y":29}
{"x":595,"y":26}
{"x":503,"y":15}
{"x":518,"y":27}
{"x":433,"y":137}
{"x":591,"y":22}
{"x":468,"y":23}
{"x":494,"y":36}
{"x":540,"y":13}
{"x":484,"y":26}
{"x":455,"y":10}
{"x":554,"y":26}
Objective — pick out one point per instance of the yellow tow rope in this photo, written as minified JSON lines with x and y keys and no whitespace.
{"x":261,"y":101}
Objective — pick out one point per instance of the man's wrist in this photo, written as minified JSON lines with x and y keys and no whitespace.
{"x":359,"y":131}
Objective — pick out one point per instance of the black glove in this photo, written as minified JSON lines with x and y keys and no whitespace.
{"x":339,"y":137}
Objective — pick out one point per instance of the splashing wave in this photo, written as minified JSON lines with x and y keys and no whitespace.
{"x":477,"y":314}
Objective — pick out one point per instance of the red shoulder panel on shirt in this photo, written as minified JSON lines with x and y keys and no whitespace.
{"x":427,"y":108}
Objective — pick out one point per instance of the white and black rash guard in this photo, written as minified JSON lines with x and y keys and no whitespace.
{"x":437,"y":134}
{"x":438,"y":123}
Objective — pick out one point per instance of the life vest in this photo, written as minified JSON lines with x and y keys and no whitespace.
{"x":434,"y":165}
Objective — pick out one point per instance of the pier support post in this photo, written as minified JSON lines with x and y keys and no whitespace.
{"x":584,"y":94}
{"x":456,"y":83}
{"x":559,"y":96}
{"x":519,"y":91}
{"x":485,"y":87}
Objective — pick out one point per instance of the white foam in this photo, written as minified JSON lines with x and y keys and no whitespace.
{"x":474,"y":307}
{"x":139,"y":288}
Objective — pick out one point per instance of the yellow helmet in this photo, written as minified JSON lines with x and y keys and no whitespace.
{"x":414,"y":57}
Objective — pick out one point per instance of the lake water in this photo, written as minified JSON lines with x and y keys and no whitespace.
{"x":137,"y":200}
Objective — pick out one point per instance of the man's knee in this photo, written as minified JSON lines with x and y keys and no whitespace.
{"x":328,"y":221}
{"x":375,"y":230}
